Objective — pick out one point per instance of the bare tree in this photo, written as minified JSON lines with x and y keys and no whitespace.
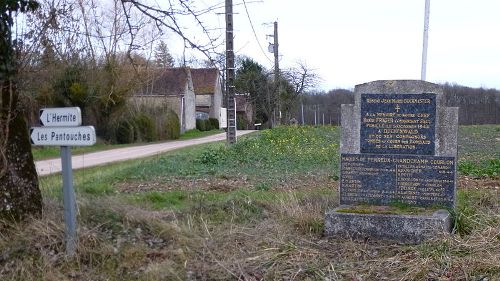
{"x":295,"y":82}
{"x":302,"y":78}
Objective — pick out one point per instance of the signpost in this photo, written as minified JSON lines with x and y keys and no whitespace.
{"x":62,"y":128}
{"x":60,"y":117}
{"x":63,"y":136}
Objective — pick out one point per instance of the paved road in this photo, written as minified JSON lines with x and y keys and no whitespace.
{"x":52,"y":166}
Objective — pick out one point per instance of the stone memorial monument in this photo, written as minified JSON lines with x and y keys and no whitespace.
{"x":398,"y":148}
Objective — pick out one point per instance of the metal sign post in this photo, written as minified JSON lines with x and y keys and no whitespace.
{"x":62,"y":128}
{"x":69,"y":199}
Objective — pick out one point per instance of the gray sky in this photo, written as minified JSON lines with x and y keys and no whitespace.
{"x":355,"y":41}
{"x":349,"y":42}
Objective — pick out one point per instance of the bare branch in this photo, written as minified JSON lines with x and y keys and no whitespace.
{"x":302,"y":78}
{"x":177,"y":11}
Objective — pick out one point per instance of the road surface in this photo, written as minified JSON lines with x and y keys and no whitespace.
{"x":52,"y":166}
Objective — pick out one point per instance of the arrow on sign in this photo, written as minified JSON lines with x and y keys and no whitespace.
{"x":63,"y":136}
{"x":60,"y":117}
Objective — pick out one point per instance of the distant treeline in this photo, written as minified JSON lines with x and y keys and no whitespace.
{"x":476,"y":105}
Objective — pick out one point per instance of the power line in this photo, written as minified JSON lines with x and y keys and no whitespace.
{"x":254,"y":33}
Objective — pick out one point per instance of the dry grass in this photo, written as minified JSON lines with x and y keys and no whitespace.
{"x":118,"y":241}
{"x":115,"y":242}
{"x":275,"y":249}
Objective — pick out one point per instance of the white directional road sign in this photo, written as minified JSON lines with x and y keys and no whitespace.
{"x":63,"y":136}
{"x":60,"y":117}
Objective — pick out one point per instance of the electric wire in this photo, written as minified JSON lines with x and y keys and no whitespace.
{"x":254,"y":33}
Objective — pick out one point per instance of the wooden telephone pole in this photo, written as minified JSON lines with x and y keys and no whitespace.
{"x":231,"y":102}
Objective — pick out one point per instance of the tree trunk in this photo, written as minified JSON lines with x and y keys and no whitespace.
{"x":19,"y":192}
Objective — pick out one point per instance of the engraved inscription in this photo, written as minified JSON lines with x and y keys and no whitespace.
{"x":385,"y":179}
{"x":398,"y":124}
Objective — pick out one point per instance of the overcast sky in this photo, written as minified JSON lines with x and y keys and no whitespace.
{"x":349,"y":42}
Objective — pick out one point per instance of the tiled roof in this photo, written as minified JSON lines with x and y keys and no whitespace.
{"x":172,"y":81}
{"x":167,"y":81}
{"x":204,"y":80}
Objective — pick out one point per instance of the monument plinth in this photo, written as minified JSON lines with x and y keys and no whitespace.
{"x":398,"y":148}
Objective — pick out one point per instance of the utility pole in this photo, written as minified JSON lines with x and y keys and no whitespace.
{"x":302,"y":111}
{"x":231,"y":102}
{"x":426,"y":39}
{"x":315,"y":114}
{"x":277,"y":71}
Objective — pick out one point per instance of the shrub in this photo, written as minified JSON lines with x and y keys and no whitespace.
{"x":172,"y":126}
{"x":200,"y":125}
{"x":125,"y":131}
{"x":208,"y":125}
{"x":241,"y":122}
{"x":214,"y":123}
{"x":145,"y":126}
{"x":212,"y":156}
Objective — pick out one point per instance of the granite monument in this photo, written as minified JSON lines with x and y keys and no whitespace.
{"x":398,"y":147}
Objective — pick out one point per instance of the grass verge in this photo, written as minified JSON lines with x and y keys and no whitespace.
{"x":253,"y":211}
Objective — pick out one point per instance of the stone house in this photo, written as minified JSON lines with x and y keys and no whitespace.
{"x":187,"y":91}
{"x":170,"y":88}
{"x":208,"y":91}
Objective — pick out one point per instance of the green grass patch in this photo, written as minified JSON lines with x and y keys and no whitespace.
{"x":192,"y":134}
{"x":484,"y":168}
{"x":479,"y":150}
{"x":47,"y":152}
{"x":239,"y":206}
{"x":467,"y":215}
{"x":251,"y":157}
{"x":478,"y":142}
{"x":176,"y":200}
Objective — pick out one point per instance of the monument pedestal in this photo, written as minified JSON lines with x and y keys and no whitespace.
{"x":407,"y":229}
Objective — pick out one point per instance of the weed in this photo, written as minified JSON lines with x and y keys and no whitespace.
{"x":211,"y":156}
{"x":263,"y":186}
{"x":485,"y":168}
{"x":161,"y":200}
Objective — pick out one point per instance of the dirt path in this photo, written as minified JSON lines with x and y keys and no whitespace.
{"x":52,"y":166}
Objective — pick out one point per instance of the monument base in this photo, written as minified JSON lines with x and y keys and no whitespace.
{"x":402,"y":228}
